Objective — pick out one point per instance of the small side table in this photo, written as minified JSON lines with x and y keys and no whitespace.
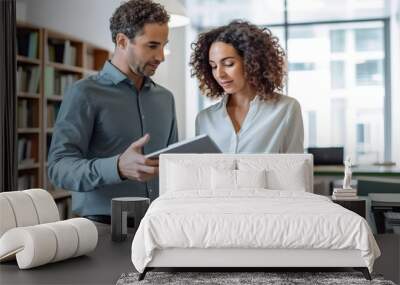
{"x":357,"y":205}
{"x":136,"y":207}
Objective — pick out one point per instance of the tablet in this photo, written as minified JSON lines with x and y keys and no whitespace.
{"x":198,"y":144}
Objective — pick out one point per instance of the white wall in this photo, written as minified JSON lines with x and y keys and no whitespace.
{"x":171,"y":74}
{"x":89,"y":20}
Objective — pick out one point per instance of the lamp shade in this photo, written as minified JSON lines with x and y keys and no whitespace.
{"x":177,"y":12}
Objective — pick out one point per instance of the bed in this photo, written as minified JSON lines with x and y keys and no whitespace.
{"x":246,"y":211}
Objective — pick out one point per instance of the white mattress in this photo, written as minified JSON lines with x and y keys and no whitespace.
{"x":252,"y":218}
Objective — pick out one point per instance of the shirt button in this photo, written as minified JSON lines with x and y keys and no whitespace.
{"x":150,"y":190}
{"x":142,"y":116}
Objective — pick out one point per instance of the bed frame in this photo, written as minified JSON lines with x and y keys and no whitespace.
{"x":249,"y":259}
{"x":240,"y":259}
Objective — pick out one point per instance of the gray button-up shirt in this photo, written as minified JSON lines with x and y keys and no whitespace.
{"x":100,"y":117}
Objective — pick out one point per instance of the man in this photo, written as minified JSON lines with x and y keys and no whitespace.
{"x":107,"y":120}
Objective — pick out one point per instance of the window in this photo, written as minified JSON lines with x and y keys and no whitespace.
{"x":336,"y":58}
{"x":369,"y":39}
{"x":301,"y":66}
{"x":369,"y":72}
{"x":338,"y":40}
{"x":333,"y":87}
{"x":338,"y":74}
{"x":360,"y":133}
{"x":338,"y":121}
{"x":302,"y":33}
{"x":312,"y":128}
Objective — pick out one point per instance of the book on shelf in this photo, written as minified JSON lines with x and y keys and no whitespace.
{"x":61,"y":51}
{"x":345,"y":191}
{"x":26,"y":181}
{"x":21,"y":79}
{"x":69,"y":56}
{"x":90,"y":60}
{"x":48,"y":144}
{"x":22,"y":120}
{"x":25,"y":151}
{"x":28,"y":78}
{"x":55,"y":50}
{"x":67,"y":53}
{"x":33,"y":82}
{"x":49,"y":81}
{"x":63,"y":82}
{"x":57,"y":83}
{"x":33,"y":44}
{"x":344,"y":194}
{"x":25,"y":117}
{"x":69,"y":82}
{"x":336,"y":197}
{"x":27,"y":43}
{"x":52,"y":112}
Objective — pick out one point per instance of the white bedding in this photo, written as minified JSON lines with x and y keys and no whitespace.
{"x":251,"y":218}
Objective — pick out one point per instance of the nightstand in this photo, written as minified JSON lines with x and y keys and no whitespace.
{"x":357,"y":205}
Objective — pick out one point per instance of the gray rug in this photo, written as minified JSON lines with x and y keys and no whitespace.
{"x":269,"y":278}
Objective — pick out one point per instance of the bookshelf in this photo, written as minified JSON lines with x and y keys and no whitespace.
{"x":29,"y":105}
{"x":48,"y":63}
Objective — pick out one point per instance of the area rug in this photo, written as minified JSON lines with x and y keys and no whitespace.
{"x":243,"y":278}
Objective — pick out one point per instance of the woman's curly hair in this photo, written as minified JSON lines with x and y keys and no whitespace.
{"x":263,"y":58}
{"x":130,"y":17}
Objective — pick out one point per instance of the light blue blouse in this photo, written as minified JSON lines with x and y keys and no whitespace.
{"x":269,"y":127}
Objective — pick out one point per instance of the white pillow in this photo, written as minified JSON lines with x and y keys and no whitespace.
{"x":251,"y":178}
{"x":294,"y":179}
{"x":183,"y":175}
{"x":236,"y":179}
{"x":282,"y":174}
{"x":223,"y":179}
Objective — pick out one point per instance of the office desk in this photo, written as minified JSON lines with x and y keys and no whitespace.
{"x":102,"y":266}
{"x":371,"y":178}
{"x":360,"y":170}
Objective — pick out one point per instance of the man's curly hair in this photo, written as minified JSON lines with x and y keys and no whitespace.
{"x":263,"y":58}
{"x":130,"y":17}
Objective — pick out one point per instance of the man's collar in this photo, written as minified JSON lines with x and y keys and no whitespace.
{"x":117,"y":75}
{"x":113,"y":72}
{"x":148,"y":82}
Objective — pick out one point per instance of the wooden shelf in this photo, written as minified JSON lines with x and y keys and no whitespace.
{"x":24,"y":59}
{"x":66,"y":68}
{"x":28,"y":95}
{"x":90,"y":71}
{"x":28,"y":130}
{"x":23,"y":166}
{"x":54,"y":77}
{"x":30,"y":67}
{"x":57,"y":98}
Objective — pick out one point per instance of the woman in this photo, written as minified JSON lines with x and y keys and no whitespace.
{"x":244,"y":65}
